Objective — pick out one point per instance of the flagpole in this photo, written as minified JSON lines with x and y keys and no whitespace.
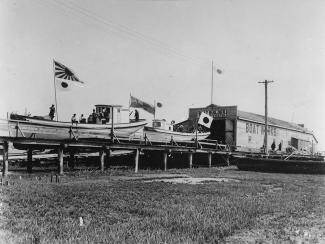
{"x":154,"y":106}
{"x":212,"y":83}
{"x":56,"y":103}
{"x":129,"y":105}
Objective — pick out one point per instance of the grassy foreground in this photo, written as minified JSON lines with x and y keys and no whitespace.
{"x":117,"y":209}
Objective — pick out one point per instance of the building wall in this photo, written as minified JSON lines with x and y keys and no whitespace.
{"x":251,"y":135}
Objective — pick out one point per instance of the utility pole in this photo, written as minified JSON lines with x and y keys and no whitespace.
{"x":266,"y":82}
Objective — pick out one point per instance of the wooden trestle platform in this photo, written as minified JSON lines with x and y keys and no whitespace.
{"x":104,"y":149}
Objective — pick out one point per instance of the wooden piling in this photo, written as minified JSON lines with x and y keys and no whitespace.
{"x":210,"y":159}
{"x":108,"y":153}
{"x":136,"y":160}
{"x":29,"y":160}
{"x":101,"y":160}
{"x":5,"y":158}
{"x":165,"y":157}
{"x":60,"y":159}
{"x":190,"y":159}
{"x":72,"y":160}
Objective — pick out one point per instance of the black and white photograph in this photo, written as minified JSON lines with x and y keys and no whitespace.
{"x":162,"y":121}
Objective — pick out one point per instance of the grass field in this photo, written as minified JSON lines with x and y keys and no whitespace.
{"x":118,"y":206}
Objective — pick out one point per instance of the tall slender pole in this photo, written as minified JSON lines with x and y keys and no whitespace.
{"x":212,"y":83}
{"x":56,"y":103}
{"x":112,"y":128}
{"x":265,"y":117}
{"x":154,"y":106}
{"x":197,"y":127}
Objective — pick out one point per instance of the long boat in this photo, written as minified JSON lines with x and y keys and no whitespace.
{"x":304,"y":165}
{"x":38,"y":127}
{"x":161,"y":131}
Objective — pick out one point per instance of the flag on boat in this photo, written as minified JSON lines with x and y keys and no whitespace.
{"x":137,"y":103}
{"x":64,"y":76}
{"x":205,"y":120}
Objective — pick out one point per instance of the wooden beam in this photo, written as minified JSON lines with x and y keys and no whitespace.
{"x":190,"y":159}
{"x":30,"y":160}
{"x":210,"y":159}
{"x":60,"y":159}
{"x":165,"y":157}
{"x":5,"y":158}
{"x":136,"y":160}
{"x":101,"y":160}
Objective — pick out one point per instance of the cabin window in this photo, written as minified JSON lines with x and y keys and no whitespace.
{"x":156,"y":124}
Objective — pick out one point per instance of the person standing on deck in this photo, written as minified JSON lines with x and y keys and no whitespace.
{"x":82,"y":119}
{"x":52,"y":112}
{"x":74,"y":119}
{"x":136,"y":115}
{"x":273,"y":146}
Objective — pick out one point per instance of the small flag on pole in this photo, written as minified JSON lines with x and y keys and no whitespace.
{"x":219,"y":71}
{"x":64,"y":76}
{"x":205,"y":120}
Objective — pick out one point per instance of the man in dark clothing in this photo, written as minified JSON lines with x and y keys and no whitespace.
{"x":52,"y":112}
{"x":273,"y":146}
{"x":95,"y":116}
{"x":136,"y":115}
{"x":280,"y":146}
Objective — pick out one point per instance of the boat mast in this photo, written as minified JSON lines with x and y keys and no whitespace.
{"x":266,"y":82}
{"x":56,"y":103}
{"x":112,"y":127}
{"x":212,"y":83}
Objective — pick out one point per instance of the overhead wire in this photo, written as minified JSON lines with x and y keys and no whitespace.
{"x":127,"y":31}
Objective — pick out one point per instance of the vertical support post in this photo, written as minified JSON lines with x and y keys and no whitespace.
{"x":227,"y":160}
{"x":190,"y":159}
{"x":265,"y":117}
{"x":112,"y":128}
{"x":5,"y":158}
{"x":60,"y":159}
{"x":29,"y":160}
{"x":165,"y":156}
{"x":136,"y":160}
{"x":210,"y":159}
{"x":108,"y":153}
{"x":101,"y":160}
{"x":72,"y":160}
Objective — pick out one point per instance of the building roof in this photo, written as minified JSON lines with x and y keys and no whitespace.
{"x":272,"y":121}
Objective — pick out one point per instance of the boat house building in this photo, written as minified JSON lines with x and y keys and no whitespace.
{"x":246,"y":130}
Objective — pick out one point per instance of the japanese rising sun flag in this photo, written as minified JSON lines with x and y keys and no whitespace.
{"x":64,"y":77}
{"x":205,"y":120}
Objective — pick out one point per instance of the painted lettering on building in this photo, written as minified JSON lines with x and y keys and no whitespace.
{"x":259,"y":129}
{"x":218,"y":113}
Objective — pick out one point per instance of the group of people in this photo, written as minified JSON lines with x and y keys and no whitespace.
{"x":273,"y":146}
{"x":92,"y":119}
{"x":94,"y":116}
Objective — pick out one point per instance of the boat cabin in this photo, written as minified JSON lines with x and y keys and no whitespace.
{"x":103,"y":114}
{"x":162,"y":124}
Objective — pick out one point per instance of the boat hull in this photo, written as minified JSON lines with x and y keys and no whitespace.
{"x":281,"y":166}
{"x":46,"y":129}
{"x":159,"y":135}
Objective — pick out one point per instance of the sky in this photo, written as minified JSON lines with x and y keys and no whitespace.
{"x":162,"y":50}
